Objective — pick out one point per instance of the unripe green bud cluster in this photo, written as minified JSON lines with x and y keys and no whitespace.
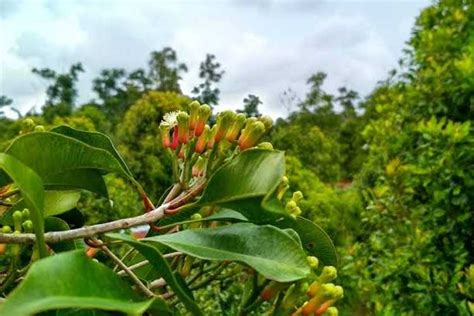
{"x":21,"y":222}
{"x":292,"y":206}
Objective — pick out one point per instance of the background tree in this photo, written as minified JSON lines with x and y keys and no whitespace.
{"x":4,"y":102}
{"x":251,"y":103}
{"x":61,"y":94}
{"x":165,"y":71}
{"x":210,"y":71}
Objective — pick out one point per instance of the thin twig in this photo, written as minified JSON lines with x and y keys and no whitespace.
{"x":125,"y":256}
{"x":88,"y":231}
{"x":145,"y":262}
{"x":157,"y":283}
{"x":124,"y":267}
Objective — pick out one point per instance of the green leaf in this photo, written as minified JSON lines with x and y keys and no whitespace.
{"x":313,"y":238}
{"x":247,"y":185}
{"x":95,"y":139}
{"x":267,"y":249}
{"x":57,"y":202}
{"x":174,"y":280}
{"x":72,"y":280}
{"x":87,"y":179}
{"x":226,"y":215}
{"x":54,"y":224}
{"x":253,"y":173}
{"x":55,"y":157}
{"x":32,"y":191}
{"x":241,"y":185}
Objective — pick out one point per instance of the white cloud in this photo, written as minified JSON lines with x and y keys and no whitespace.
{"x":264,"y":49}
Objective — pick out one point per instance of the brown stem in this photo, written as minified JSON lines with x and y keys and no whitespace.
{"x":124,"y":267}
{"x":88,"y":231}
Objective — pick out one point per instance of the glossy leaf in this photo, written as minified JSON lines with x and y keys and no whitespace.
{"x":58,"y":202}
{"x":54,"y":157}
{"x":313,"y":238}
{"x":174,"y":280}
{"x":267,"y":249}
{"x":94,"y":139}
{"x":87,"y":179}
{"x":32,"y":191}
{"x":247,"y":179}
{"x":72,"y":280}
{"x":226,"y":215}
{"x":247,"y":185}
{"x":254,"y":173}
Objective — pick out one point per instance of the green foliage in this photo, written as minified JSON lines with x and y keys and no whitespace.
{"x":415,"y":205}
{"x":250,"y":180}
{"x":66,"y":288}
{"x":312,"y":147}
{"x":267,"y":249}
{"x":336,"y":209}
{"x":174,"y":280}
{"x":31,"y":187}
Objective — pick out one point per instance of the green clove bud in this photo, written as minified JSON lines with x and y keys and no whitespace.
{"x":328,"y":274}
{"x":27,"y":226}
{"x":183,"y":127}
{"x":7,"y":229}
{"x":251,"y":135}
{"x":194,"y":114}
{"x":265,"y":146}
{"x":267,"y":121}
{"x":17,"y":220}
{"x":203,"y":115}
{"x":234,"y":131}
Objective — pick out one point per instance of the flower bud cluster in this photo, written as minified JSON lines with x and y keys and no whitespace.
{"x":322,"y":294}
{"x":181,"y":127}
{"x":21,"y":224}
{"x":28,"y":126}
{"x":292,"y":206}
{"x":198,"y":145}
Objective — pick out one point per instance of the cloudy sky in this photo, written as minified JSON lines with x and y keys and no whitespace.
{"x":265,"y":46}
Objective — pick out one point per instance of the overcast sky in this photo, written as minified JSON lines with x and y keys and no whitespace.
{"x":264,"y":46}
